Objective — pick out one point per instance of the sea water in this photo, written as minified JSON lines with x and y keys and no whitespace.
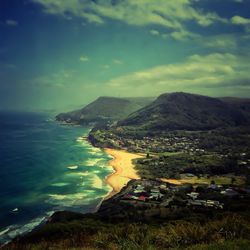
{"x":46,"y":167}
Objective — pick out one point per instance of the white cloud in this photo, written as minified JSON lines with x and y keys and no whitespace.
{"x":11,"y":22}
{"x":179,"y":35}
{"x":154,"y":32}
{"x":225,"y":42}
{"x":57,"y":79}
{"x":72,"y":7}
{"x":212,"y":71}
{"x":169,"y":14}
{"x":240,"y":20}
{"x":106,"y":66}
{"x":116,"y":61}
{"x":84,"y":59}
{"x":183,"y":35}
{"x":245,"y":22}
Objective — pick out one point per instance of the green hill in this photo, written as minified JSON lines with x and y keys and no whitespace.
{"x":185,"y":111}
{"x":243,"y":104}
{"x":104,"y":109}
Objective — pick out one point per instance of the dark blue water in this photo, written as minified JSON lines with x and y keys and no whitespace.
{"x":45,"y":168}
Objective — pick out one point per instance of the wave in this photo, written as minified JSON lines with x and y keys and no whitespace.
{"x":81,"y":174}
{"x":4,"y":231}
{"x":60,"y":184}
{"x":97,"y":182}
{"x":72,"y":200}
{"x":73,"y":167}
{"x":13,"y":231}
{"x":92,"y":162}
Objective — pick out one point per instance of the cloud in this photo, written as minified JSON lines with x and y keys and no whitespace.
{"x":60,"y":79}
{"x":105,"y":66}
{"x":183,"y":35}
{"x":154,"y":32}
{"x":11,"y":22}
{"x":245,"y":22}
{"x":240,"y":20}
{"x":169,"y":14}
{"x":116,"y":61}
{"x":225,"y":42}
{"x":213,"y":71}
{"x":84,"y":59}
{"x":179,"y":35}
{"x":73,"y":7}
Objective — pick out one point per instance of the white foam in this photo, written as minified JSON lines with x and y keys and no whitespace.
{"x":57,"y":196}
{"x":69,"y":200}
{"x":15,"y":210}
{"x":4,"y":231}
{"x":95,"y":153}
{"x":97,"y":182}
{"x":80,"y":139}
{"x":86,"y":173}
{"x":73,"y":167}
{"x":60,"y":184}
{"x":15,"y":230}
{"x":96,"y":149}
{"x":81,"y":174}
{"x":94,"y":162}
{"x":110,"y":168}
{"x":91,"y":162}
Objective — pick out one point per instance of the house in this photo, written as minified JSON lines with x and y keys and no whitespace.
{"x":193,"y":195}
{"x":229,"y":192}
{"x":213,"y":186}
{"x":127,"y":197}
{"x":163,"y":187}
{"x":155,"y":190}
{"x":157,"y":195}
{"x":215,"y":204}
{"x":196,"y":202}
{"x":142,"y":198}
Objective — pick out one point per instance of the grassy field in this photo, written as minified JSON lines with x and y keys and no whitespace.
{"x":219,"y":180}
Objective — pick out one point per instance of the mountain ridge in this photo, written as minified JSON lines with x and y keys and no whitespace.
{"x":104,"y":109}
{"x":181,"y":110}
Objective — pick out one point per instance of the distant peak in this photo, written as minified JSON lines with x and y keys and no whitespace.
{"x":174,"y":95}
{"x":109,"y":98}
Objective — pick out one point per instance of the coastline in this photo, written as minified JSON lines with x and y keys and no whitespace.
{"x":124,"y":170}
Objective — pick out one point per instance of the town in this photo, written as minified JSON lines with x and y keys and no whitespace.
{"x":155,"y":144}
{"x":157,"y":198}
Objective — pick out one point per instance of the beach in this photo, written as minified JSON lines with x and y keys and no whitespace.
{"x":124,"y":169}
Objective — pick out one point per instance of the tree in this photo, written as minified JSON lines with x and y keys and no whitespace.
{"x":233,"y":180}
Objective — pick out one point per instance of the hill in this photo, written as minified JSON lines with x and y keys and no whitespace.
{"x":104,"y":109}
{"x":185,"y":111}
{"x":243,"y":104}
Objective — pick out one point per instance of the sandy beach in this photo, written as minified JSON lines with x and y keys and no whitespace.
{"x":124,"y":169}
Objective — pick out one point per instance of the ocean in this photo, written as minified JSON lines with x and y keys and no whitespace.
{"x":46,"y":167}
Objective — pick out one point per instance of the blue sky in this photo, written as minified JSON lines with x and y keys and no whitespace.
{"x":61,"y":54}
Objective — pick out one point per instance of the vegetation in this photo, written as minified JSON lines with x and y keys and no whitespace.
{"x":166,"y":131}
{"x":172,"y":165}
{"x":92,"y":233}
{"x":185,"y":111}
{"x":104,"y":110}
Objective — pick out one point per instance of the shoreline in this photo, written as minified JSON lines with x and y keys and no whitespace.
{"x":124,"y":170}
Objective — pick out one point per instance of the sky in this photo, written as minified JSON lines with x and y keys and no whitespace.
{"x":62,"y":54}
